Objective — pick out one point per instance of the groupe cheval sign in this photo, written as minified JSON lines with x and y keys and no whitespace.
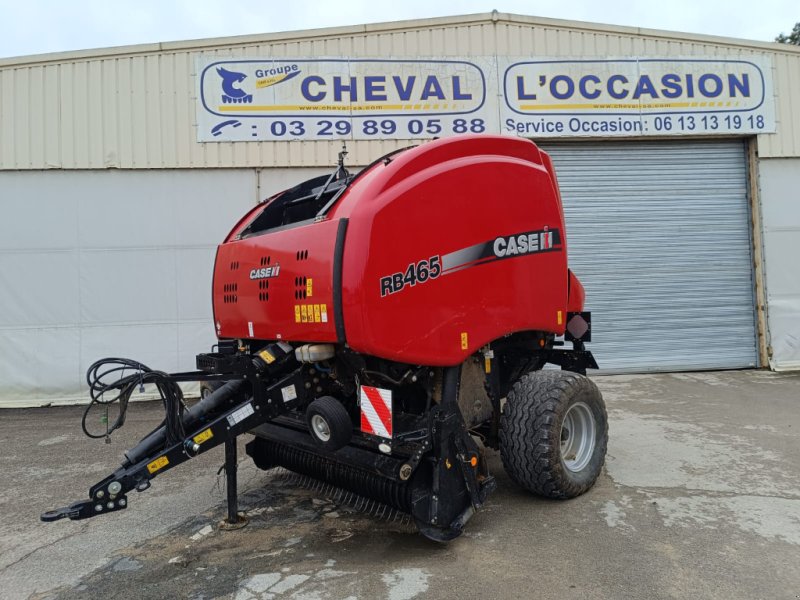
{"x":372,"y":98}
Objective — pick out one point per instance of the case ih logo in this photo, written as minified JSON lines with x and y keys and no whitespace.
{"x":524,"y":243}
{"x":265,"y":272}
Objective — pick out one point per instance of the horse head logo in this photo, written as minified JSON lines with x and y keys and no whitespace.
{"x":230,"y":93}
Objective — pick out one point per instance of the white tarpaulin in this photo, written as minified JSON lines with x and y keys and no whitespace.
{"x":780,"y":180}
{"x":107,"y":263}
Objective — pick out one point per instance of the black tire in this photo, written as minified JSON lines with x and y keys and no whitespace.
{"x":531,"y":433}
{"x":329,"y":423}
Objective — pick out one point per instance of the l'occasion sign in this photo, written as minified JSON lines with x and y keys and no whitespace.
{"x":373,"y":98}
{"x":553,"y":98}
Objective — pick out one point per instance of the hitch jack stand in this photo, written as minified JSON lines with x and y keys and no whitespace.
{"x":235,"y":519}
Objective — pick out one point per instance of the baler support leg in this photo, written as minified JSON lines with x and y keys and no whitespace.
{"x":235,"y":520}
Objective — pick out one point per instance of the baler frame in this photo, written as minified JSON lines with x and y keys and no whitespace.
{"x":219,"y":419}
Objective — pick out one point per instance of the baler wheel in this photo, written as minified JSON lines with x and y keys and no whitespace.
{"x":554,"y":433}
{"x":329,"y":423}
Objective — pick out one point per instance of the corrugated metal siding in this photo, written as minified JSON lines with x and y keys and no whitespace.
{"x":137,"y":110}
{"x":659,"y":234}
{"x":786,"y":76}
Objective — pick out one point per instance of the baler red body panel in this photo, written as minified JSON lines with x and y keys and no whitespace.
{"x":277,"y":286}
{"x":442,"y":249}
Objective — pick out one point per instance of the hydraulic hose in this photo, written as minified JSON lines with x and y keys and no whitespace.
{"x":192,"y":418}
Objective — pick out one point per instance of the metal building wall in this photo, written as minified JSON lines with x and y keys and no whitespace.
{"x":134,"y":108}
{"x":105,"y":112}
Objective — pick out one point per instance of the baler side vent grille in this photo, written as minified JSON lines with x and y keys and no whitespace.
{"x":234,"y":265}
{"x":263,"y":284}
{"x":301,"y":255}
{"x":231,"y":293}
{"x":265,"y":260}
{"x":301,"y":287}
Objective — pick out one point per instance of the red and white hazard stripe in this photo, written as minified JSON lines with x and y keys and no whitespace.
{"x":376,"y":411}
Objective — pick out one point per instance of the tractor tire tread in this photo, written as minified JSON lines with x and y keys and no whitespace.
{"x":530,"y":430}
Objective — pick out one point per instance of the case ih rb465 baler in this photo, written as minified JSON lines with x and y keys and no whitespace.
{"x":379,"y":331}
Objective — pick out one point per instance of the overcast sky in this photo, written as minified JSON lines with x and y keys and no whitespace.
{"x":37,"y":26}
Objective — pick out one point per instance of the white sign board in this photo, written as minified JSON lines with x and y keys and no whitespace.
{"x":337,"y":98}
{"x":274,"y":99}
{"x":635,"y":97}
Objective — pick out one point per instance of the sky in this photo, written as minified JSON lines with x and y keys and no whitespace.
{"x":39,"y":26}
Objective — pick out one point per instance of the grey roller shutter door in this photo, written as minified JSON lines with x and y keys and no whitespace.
{"x":659,"y":234}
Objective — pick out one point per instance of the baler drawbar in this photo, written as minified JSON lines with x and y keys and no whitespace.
{"x":379,"y":331}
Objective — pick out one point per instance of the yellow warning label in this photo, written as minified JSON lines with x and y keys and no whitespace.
{"x":464,"y":340}
{"x":309,"y":313}
{"x":487,"y":364}
{"x":268,"y":358}
{"x":158,"y":464}
{"x":203,"y":436}
{"x":560,"y":318}
{"x":309,"y":288}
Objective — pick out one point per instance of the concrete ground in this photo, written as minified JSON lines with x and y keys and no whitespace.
{"x":700,"y":498}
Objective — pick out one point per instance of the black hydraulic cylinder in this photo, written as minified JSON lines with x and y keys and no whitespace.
{"x":192,"y":418}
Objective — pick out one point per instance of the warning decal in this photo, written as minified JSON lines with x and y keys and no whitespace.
{"x":310,"y":313}
{"x":241,"y":414}
{"x":289,"y":393}
{"x":376,"y":411}
{"x":203,"y":436}
{"x":158,"y":464}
